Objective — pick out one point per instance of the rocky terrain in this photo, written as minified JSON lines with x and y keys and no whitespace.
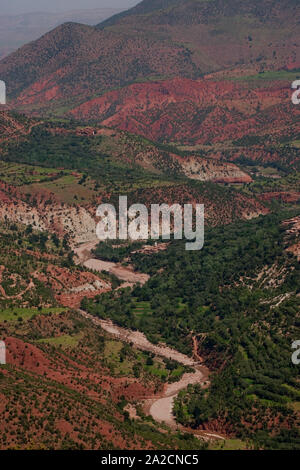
{"x":79,"y":223}
{"x":195,"y":112}
{"x":293,"y":234}
{"x":110,"y":345}
{"x":44,"y":215}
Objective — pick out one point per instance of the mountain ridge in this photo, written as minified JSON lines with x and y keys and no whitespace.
{"x":19,"y":29}
{"x":187,"y":40}
{"x":197,"y":10}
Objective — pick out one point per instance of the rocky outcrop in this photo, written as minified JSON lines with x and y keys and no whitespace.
{"x":45,"y":215}
{"x":203,"y":169}
{"x":292,"y":227}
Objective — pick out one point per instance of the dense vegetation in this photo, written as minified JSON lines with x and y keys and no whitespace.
{"x":72,"y":152}
{"x":115,"y":250}
{"x":239,"y":295}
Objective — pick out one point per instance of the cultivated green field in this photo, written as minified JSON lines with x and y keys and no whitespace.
{"x":15,"y":314}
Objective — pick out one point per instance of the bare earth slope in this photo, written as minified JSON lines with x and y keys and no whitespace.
{"x":75,"y":62}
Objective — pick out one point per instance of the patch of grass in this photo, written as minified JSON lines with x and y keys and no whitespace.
{"x":13,"y":314}
{"x":295,"y":143}
{"x":293,"y":390}
{"x":21,"y":174}
{"x":156,"y":369}
{"x":66,"y":188}
{"x":65,"y":341}
{"x":112,"y":354}
{"x":142,"y":309}
{"x":229,"y":444}
{"x":295,"y":405}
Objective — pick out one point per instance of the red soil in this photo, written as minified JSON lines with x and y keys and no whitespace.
{"x":71,"y":287}
{"x":193,"y":111}
{"x":284,"y":196}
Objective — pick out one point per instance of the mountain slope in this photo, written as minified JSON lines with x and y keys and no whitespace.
{"x":75,"y":62}
{"x":195,"y":111}
{"x":142,"y":8}
{"x":17,"y":30}
{"x":13,"y":126}
{"x":201,"y":11}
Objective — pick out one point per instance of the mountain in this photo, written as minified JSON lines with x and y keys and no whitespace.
{"x":192,"y":112}
{"x":17,"y":30}
{"x":143,"y":8}
{"x":75,"y":62}
{"x":185,"y":102}
{"x":200,"y":11}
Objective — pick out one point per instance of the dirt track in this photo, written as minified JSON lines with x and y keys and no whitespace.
{"x":124,"y":274}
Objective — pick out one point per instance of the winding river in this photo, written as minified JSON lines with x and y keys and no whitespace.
{"x":160,"y":407}
{"x":125,"y":274}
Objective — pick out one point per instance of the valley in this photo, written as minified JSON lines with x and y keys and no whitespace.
{"x":124,"y":274}
{"x":161,"y":409}
{"x":144,"y":345}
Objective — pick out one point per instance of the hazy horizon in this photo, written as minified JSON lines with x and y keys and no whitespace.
{"x":15,"y":7}
{"x":23,"y":21}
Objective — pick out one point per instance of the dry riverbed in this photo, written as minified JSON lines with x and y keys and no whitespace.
{"x":159,"y":407}
{"x":125,"y":274}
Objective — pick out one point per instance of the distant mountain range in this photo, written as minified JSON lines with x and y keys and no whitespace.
{"x":153,"y":41}
{"x":17,"y":30}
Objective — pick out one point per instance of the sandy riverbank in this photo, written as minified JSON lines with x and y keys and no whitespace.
{"x":125,"y":274}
